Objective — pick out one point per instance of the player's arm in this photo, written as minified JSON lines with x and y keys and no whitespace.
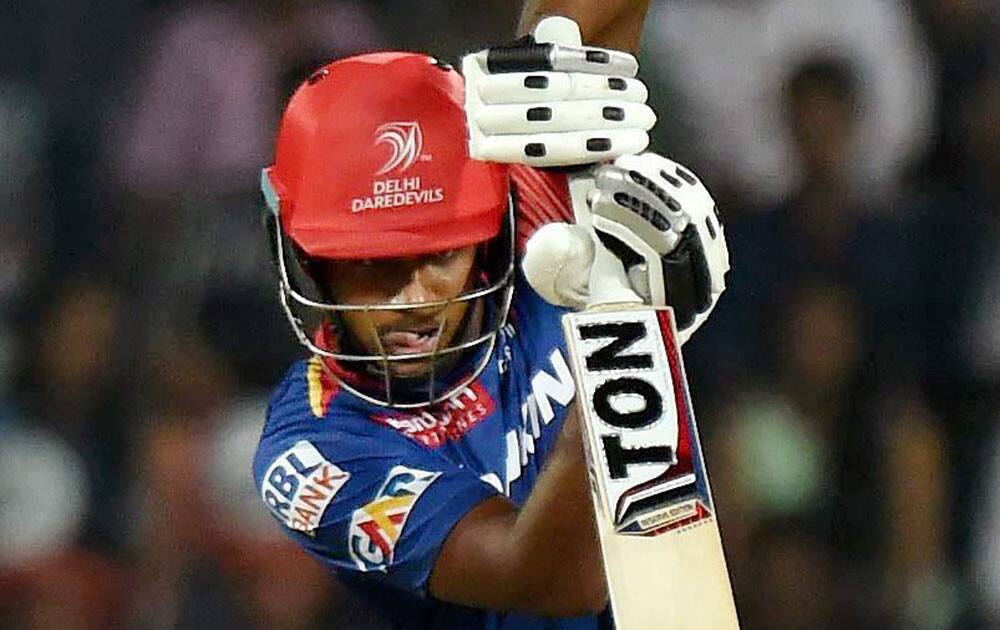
{"x":613,"y":24}
{"x":544,"y":558}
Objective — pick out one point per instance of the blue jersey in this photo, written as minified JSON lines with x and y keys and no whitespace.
{"x":374,"y":492}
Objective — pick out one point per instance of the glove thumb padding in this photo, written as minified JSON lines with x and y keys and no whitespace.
{"x":557,"y":261}
{"x":566,"y":265}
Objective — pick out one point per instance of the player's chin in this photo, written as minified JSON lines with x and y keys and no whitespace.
{"x":411,"y":368}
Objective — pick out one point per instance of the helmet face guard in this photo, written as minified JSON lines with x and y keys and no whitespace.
{"x":493,"y":297}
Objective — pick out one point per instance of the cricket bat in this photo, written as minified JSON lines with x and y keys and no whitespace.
{"x":658,"y":529}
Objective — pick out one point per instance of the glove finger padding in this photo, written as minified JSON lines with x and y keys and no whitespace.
{"x":565,"y":149}
{"x":565,"y":116}
{"x":528,"y":55}
{"x":661,"y":221}
{"x":556,"y":87}
{"x":626,"y":196}
{"x":553,"y":102}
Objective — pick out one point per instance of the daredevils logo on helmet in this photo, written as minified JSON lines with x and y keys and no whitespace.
{"x":406,"y":141}
{"x":372,"y":161}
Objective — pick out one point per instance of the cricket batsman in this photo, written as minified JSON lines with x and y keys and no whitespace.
{"x":428,"y":450}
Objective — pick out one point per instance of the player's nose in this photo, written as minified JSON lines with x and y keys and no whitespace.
{"x":420,"y":286}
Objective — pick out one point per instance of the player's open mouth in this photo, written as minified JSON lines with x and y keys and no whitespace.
{"x":411,"y":340}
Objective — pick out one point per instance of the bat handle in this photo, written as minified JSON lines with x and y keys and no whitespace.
{"x":609,"y":284}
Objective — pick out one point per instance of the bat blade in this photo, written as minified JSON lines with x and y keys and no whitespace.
{"x":660,"y":541}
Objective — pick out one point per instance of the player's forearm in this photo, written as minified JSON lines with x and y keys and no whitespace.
{"x":543,"y":559}
{"x":559,"y":555}
{"x":613,"y":24}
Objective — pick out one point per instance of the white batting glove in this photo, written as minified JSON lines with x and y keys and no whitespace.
{"x":547,"y":100}
{"x":569,"y":266}
{"x":661,"y":224}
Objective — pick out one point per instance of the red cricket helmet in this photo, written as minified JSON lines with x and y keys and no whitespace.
{"x":372,"y":161}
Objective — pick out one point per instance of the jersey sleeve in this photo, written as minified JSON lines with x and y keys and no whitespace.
{"x":372,"y":506}
{"x":540,"y":196}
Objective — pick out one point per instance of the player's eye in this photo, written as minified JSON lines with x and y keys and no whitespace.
{"x":372,"y":265}
{"x":445,"y":256}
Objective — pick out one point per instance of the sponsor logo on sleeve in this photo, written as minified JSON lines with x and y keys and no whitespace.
{"x":376,"y":527}
{"x":299,"y":486}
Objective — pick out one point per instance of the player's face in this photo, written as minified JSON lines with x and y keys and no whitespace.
{"x":409,"y":280}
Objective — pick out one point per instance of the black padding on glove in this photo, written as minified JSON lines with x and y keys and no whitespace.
{"x":685,"y":274}
{"x":626,"y":254}
{"x":688,"y":286}
{"x":524,"y":55}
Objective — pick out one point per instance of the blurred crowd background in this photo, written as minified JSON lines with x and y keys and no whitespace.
{"x":848,"y":385}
